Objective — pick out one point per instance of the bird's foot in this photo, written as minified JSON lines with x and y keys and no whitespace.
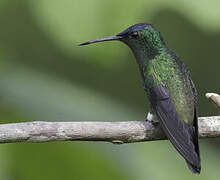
{"x":152,"y":119}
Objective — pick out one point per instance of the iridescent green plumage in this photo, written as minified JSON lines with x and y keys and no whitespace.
{"x":169,"y":87}
{"x":165,"y":69}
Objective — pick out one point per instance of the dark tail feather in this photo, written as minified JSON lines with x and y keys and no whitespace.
{"x":194,"y":131}
{"x":194,"y":169}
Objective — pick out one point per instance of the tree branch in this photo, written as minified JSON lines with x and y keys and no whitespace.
{"x":115,"y":132}
{"x":214,"y":98}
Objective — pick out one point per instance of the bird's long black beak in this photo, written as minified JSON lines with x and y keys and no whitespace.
{"x":111,"y":38}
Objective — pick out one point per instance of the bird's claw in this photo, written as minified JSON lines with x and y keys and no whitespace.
{"x":152,"y":119}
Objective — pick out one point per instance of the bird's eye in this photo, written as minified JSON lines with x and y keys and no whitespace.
{"x":134,"y":34}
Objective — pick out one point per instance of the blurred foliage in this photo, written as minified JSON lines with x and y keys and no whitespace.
{"x":44,"y":75}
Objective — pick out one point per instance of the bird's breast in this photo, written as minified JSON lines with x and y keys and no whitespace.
{"x":169,"y":74}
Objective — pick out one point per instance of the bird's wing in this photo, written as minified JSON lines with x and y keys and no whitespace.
{"x":179,"y":133}
{"x":195,"y":123}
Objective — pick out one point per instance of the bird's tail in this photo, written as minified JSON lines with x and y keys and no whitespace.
{"x":193,"y":168}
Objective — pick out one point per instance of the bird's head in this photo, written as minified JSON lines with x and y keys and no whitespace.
{"x":142,"y":36}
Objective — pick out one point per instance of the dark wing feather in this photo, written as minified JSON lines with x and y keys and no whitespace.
{"x":194,"y":131}
{"x":179,"y":133}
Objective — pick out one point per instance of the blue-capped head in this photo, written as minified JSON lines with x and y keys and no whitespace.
{"x":139,"y":37}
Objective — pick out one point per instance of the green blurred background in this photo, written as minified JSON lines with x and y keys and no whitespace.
{"x":44,"y":75}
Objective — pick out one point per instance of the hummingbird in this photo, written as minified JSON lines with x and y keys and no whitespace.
{"x":168,"y":86}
